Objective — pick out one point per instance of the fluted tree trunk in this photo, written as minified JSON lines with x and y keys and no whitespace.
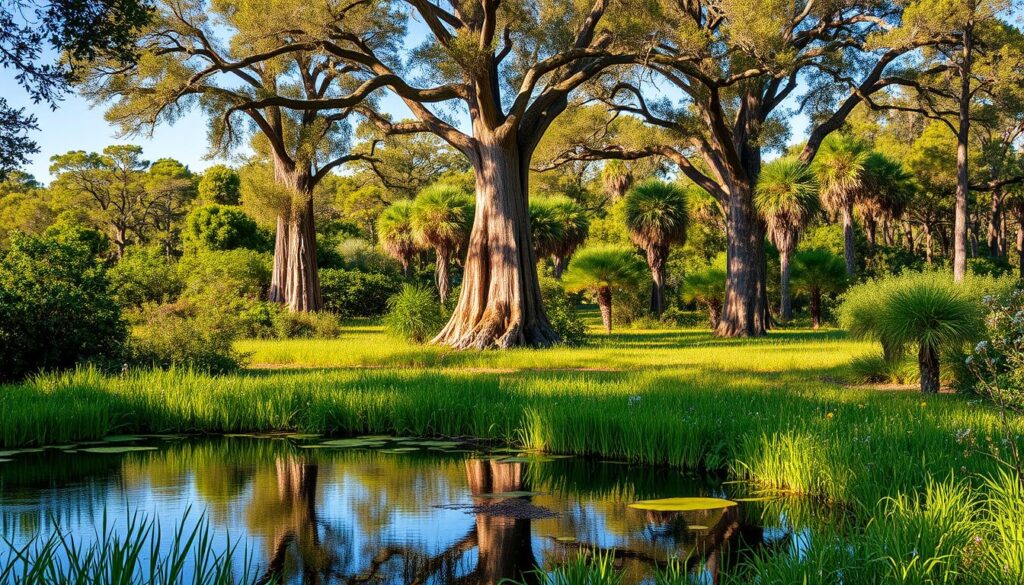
{"x":849,"y":241}
{"x":295,"y":279}
{"x":657,"y":257}
{"x":785,"y":296}
{"x":745,"y":308}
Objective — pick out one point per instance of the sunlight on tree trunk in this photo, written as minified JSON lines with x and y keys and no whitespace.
{"x":928,"y":362}
{"x":745,"y":311}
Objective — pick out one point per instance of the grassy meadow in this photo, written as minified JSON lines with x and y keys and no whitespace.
{"x":780,"y":411}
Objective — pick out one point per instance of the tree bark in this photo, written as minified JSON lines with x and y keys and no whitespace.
{"x":656,"y":257}
{"x":745,"y":310}
{"x":441,"y":275}
{"x":279,"y":275}
{"x":996,"y":231}
{"x":871,"y":229}
{"x":962,"y":136}
{"x":500,"y":304}
{"x":908,"y":236}
{"x":849,"y":241}
{"x":786,"y":302}
{"x":302,"y":284}
{"x":1020,"y":247}
{"x":928,"y":247}
{"x":559,"y":263}
{"x":604,"y":302}
{"x":816,"y":308}
{"x":928,"y":364}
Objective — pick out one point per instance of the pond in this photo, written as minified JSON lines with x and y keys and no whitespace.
{"x":386,"y":510}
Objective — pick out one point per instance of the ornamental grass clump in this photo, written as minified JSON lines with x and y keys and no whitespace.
{"x":414,"y":314}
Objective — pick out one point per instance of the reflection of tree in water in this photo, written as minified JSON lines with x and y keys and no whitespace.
{"x":505,"y":549}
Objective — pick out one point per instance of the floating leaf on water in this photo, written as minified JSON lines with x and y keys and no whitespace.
{"x":759,"y":499}
{"x":345,"y":443}
{"x":434,"y":444}
{"x":121,"y":438}
{"x":525,"y":460}
{"x":565,"y":538}
{"x":6,"y":460}
{"x":117,"y":450}
{"x":682,"y":504}
{"x":7,"y":454}
{"x":385,"y":438}
{"x":67,"y":447}
{"x":400,"y":449}
{"x":303,"y":436}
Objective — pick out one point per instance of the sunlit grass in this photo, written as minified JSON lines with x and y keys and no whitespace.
{"x":776,"y":410}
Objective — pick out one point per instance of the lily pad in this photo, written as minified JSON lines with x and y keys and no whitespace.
{"x":303,"y":436}
{"x":439,"y":444}
{"x":116,"y":450}
{"x":526,"y":460}
{"x":682,"y":504}
{"x":346,"y":443}
{"x":121,"y":438}
{"x":6,"y":460}
{"x":7,"y":454}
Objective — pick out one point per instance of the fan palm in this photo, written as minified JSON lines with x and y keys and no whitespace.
{"x":787,"y":199}
{"x":818,"y":272}
{"x":545,"y":227}
{"x":657,"y":217}
{"x":928,"y":310}
{"x":394,"y":228}
{"x":840,"y":170}
{"x":600,"y":271}
{"x":575,"y":229}
{"x":616,"y":178}
{"x":886,"y":192}
{"x":442,"y":216}
{"x":706,"y":287}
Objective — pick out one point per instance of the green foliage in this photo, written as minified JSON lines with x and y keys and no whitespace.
{"x":353,"y":293}
{"x":928,"y":309}
{"x":55,"y":306}
{"x":235,"y":274}
{"x":395,"y":231}
{"x":787,"y":199}
{"x":414,"y":314}
{"x":220,"y":185}
{"x":291,"y":325}
{"x":818,"y":271}
{"x":656,"y":214}
{"x":996,"y":363}
{"x":191,"y":333}
{"x":442,"y":216}
{"x":705,"y":287}
{"x":359,"y":254}
{"x":546,"y":227}
{"x":560,"y":309}
{"x":218,"y":227}
{"x":614,"y":267}
{"x":144,"y":275}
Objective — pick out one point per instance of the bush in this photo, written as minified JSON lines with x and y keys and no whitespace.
{"x":875,"y":369}
{"x":288,"y":325}
{"x":414,"y":314}
{"x":353,"y":293}
{"x":218,"y":227}
{"x":236,"y":273}
{"x":188,"y":334}
{"x":359,"y":254}
{"x":144,"y":275}
{"x":55,"y":306}
{"x":560,"y":308}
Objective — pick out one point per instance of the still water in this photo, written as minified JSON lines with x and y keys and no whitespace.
{"x":379,"y":510}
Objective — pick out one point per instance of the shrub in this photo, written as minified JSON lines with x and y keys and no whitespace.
{"x":220,"y":184}
{"x":560,"y":308}
{"x":289,"y":325}
{"x":414,"y":314}
{"x":236,"y":273}
{"x":188,"y":334}
{"x":55,"y":306}
{"x":144,"y":275}
{"x":353,"y":293}
{"x":876,"y":369}
{"x":604,"y":270}
{"x":219,"y":227}
{"x":359,"y":254}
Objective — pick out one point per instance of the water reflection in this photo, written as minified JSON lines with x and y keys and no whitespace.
{"x":407,"y":515}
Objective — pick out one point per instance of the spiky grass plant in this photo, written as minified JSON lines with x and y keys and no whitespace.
{"x":413,"y":314}
{"x":394,"y":229}
{"x":787,"y":199}
{"x":657,"y":217}
{"x":600,"y":271}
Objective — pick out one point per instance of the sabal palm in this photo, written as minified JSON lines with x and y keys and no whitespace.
{"x":575,"y":229}
{"x":601,"y":270}
{"x":886,"y":192}
{"x":840,"y":170}
{"x":442,"y":216}
{"x":545,"y":227}
{"x":657,"y":216}
{"x":394,"y":228}
{"x":818,"y":272}
{"x":706,"y":287}
{"x":616,"y":178}
{"x":930,"y":311}
{"x":787,"y":199}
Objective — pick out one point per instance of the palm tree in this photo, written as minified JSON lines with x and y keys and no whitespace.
{"x":616,"y":178}
{"x":575,"y":229}
{"x":545,"y":226}
{"x":787,"y":199}
{"x":394,"y":228}
{"x":840,"y":169}
{"x":599,"y":271}
{"x":706,"y":287}
{"x":657,"y":217}
{"x":442,"y":216}
{"x":885,"y":194}
{"x":930,"y":311}
{"x":818,"y":272}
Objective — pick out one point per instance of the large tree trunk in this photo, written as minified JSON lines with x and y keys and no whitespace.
{"x":441,"y":276}
{"x":996,"y":232}
{"x":786,"y":308}
{"x":279,"y":275}
{"x":500,"y":304}
{"x":302,"y":286}
{"x":962,"y":136}
{"x":656,"y":258}
{"x":604,"y":302}
{"x":745,"y":310}
{"x":928,"y":363}
{"x":849,"y":241}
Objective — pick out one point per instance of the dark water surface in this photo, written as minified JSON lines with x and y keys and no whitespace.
{"x":392,"y":511}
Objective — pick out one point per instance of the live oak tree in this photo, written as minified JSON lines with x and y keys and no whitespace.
{"x":736,"y":65}
{"x":249,"y":74}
